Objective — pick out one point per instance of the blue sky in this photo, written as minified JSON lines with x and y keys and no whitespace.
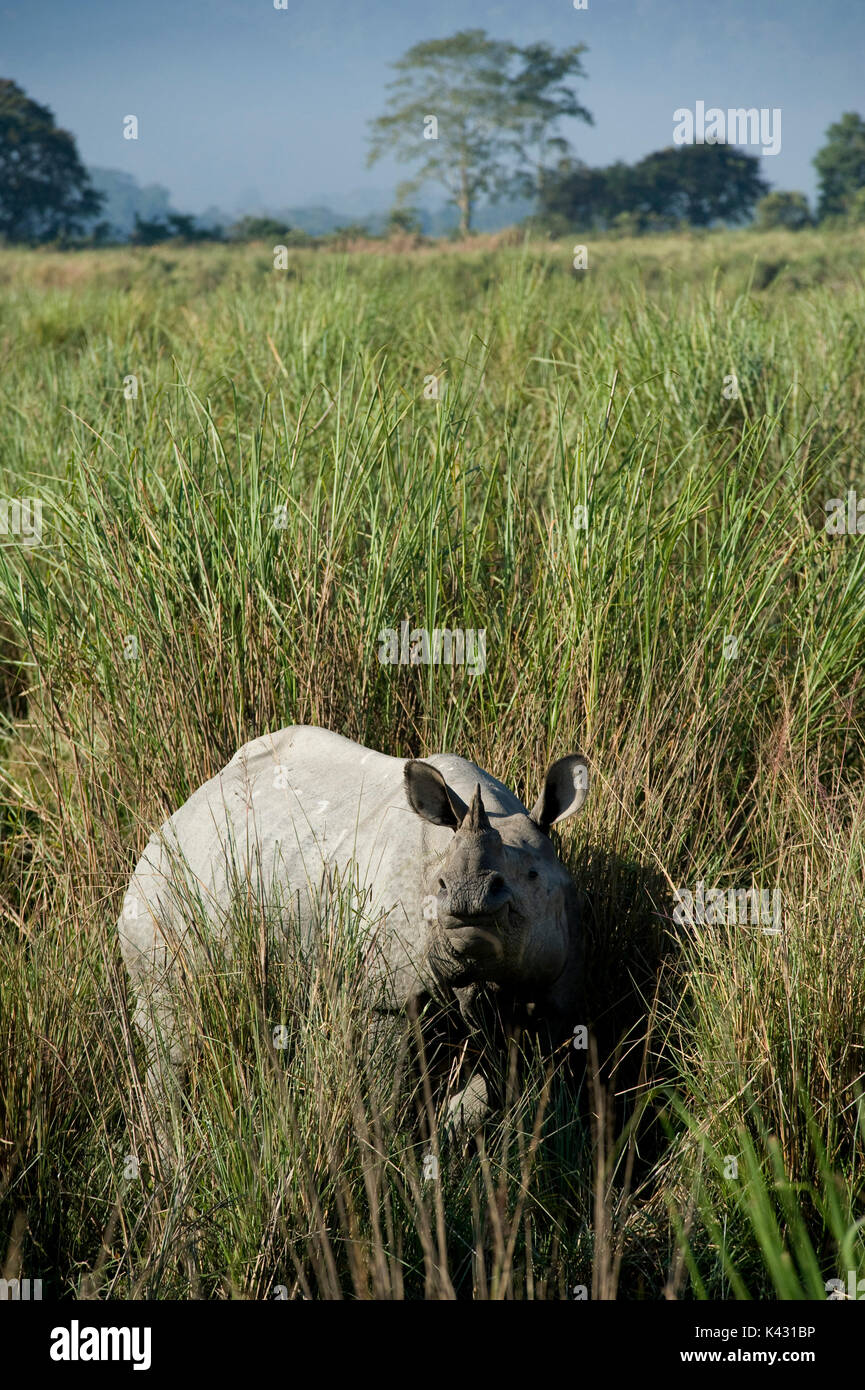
{"x":238,"y":100}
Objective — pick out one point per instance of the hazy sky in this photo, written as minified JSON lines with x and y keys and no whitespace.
{"x":235,"y":98}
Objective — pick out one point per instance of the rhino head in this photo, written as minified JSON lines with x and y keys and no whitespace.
{"x":502,"y":902}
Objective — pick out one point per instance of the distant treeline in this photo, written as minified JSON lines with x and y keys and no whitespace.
{"x":47,"y":194}
{"x":703,"y":184}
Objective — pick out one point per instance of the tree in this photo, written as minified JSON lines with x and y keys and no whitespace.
{"x":45,"y":191}
{"x":541,"y":97}
{"x":585,"y":197}
{"x":177,"y":226}
{"x":259,"y":229}
{"x":840,"y":165}
{"x":700,"y":184}
{"x":475,"y":113}
{"x":779,"y":209}
{"x":403,"y":220}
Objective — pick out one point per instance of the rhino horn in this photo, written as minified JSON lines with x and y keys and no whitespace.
{"x":476,"y":817}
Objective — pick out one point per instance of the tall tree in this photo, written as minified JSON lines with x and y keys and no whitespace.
{"x":540,"y":98}
{"x":45,"y":191}
{"x":476,"y":115}
{"x":840,"y":165}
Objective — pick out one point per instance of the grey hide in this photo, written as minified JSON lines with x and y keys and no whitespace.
{"x":464,"y":889}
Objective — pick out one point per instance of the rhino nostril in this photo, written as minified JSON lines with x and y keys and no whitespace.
{"x":443,"y":886}
{"x":497,"y":883}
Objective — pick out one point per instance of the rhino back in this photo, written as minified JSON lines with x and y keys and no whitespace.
{"x":288,"y":806}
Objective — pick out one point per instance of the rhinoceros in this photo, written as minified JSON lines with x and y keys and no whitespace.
{"x":463,"y":889}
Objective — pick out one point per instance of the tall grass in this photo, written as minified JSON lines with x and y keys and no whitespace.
{"x":280,"y":490}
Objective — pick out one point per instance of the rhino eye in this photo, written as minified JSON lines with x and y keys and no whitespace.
{"x":533,"y":873}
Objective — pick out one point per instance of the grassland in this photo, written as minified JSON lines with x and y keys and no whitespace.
{"x":279,"y":489}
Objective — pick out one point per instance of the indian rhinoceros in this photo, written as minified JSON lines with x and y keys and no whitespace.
{"x":463,"y":889}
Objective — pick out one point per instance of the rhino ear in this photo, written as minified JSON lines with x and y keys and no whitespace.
{"x":430,"y":796}
{"x":565,"y":789}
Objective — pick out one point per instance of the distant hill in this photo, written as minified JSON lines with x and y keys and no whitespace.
{"x":124,"y":198}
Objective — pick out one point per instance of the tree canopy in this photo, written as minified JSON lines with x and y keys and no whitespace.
{"x":45,"y":190}
{"x":699,"y":184}
{"x":840,"y":165}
